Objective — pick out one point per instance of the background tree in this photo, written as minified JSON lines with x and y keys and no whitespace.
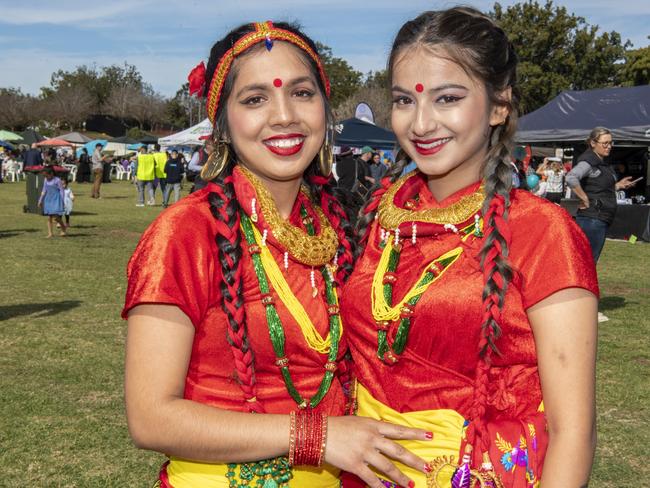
{"x":558,"y":51}
{"x":636,"y":69}
{"x":344,"y":79}
{"x":98,"y":82}
{"x":374,"y":92}
{"x":121,"y":101}
{"x":69,"y":106}
{"x":184,"y":110}
{"x":15,"y":113}
{"x":148,"y":107}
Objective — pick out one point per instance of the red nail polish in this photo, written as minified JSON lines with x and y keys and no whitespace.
{"x":428,"y":435}
{"x":427,"y":468}
{"x":411,"y":484}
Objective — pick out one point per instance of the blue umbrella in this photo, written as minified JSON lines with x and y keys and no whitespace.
{"x":90,"y":146}
{"x":6,"y":145}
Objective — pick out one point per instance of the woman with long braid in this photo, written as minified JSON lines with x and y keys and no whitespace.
{"x":472,"y":302}
{"x":238,"y":313}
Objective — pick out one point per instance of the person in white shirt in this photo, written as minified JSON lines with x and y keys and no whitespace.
{"x":551,"y":169}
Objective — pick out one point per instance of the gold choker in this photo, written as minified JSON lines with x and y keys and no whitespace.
{"x":314,"y":250}
{"x":391,"y":216}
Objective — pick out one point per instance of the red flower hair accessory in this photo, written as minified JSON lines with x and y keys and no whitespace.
{"x":197,"y":79}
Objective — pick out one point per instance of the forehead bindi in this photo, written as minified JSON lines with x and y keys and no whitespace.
{"x":414,"y":66}
{"x":277,"y":82}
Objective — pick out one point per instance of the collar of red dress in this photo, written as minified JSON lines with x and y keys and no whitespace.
{"x":415,"y":194}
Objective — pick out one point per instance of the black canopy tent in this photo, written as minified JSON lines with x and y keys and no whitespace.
{"x":566,"y":122}
{"x":571,"y":115}
{"x":357,"y":133}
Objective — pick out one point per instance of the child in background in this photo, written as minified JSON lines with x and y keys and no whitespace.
{"x":51,"y":200}
{"x":68,"y":199}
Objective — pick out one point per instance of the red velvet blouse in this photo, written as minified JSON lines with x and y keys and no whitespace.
{"x":176,"y":263}
{"x":549,"y":253}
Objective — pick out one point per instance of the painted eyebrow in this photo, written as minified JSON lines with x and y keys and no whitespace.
{"x":445,"y":86}
{"x":267,"y":86}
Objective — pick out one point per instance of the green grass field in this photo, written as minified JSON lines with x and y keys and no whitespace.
{"x":62,"y":417}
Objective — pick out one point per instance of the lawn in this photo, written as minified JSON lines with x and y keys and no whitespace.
{"x":61,"y":407}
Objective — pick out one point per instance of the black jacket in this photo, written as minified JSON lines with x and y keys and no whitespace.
{"x":600,"y":188}
{"x":349,"y":167}
{"x":174,"y":170}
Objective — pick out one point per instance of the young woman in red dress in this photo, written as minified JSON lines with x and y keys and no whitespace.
{"x":234,"y":363}
{"x":472,"y":311}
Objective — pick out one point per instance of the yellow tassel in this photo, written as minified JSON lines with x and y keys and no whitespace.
{"x":314,"y":340}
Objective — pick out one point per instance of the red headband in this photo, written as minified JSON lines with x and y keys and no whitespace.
{"x":264,"y":31}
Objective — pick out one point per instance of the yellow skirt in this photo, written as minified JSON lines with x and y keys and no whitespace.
{"x":190,"y":474}
{"x":446,"y":425}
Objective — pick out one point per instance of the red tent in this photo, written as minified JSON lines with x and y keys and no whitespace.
{"x":53,"y":142}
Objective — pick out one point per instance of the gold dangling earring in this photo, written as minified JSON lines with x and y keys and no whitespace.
{"x":216,"y":162}
{"x":326,"y":156}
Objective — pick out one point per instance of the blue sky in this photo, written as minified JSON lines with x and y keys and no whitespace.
{"x":166,"y":38}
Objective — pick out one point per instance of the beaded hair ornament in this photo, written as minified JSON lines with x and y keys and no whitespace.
{"x":264,"y":32}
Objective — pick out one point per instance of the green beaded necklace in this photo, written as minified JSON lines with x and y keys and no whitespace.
{"x":386,"y":351}
{"x":276,"y":330}
{"x":276,"y":472}
{"x":269,"y":473}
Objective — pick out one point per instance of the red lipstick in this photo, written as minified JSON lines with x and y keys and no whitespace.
{"x":285,"y":144}
{"x":430,"y":146}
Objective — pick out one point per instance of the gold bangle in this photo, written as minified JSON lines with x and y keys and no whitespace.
{"x":292,"y":437}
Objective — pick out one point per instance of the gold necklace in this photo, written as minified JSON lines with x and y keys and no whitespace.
{"x":391,"y":216}
{"x":315,"y":250}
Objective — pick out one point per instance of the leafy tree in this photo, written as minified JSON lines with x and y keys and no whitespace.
{"x":344,"y":79}
{"x":185,"y":110}
{"x":636,"y":70}
{"x":98,"y":82}
{"x":558,"y":51}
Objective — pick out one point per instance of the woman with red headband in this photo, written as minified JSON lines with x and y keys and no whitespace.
{"x":472,"y":301}
{"x":235,"y":362}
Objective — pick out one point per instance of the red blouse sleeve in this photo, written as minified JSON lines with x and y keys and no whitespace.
{"x":549,"y":251}
{"x":174,"y":263}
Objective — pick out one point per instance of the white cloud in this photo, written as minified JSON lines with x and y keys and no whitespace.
{"x":71,"y":13}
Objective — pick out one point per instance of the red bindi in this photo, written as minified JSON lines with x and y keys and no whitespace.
{"x":419,"y":88}
{"x":277,"y":83}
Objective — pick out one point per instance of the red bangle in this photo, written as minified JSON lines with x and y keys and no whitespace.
{"x":307,"y":438}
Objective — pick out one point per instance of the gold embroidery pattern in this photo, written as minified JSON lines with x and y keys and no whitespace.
{"x":391,"y":216}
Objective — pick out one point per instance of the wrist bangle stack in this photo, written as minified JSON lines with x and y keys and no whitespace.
{"x":307,"y":438}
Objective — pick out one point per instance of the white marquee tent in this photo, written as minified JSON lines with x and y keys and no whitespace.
{"x":194,"y":136}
